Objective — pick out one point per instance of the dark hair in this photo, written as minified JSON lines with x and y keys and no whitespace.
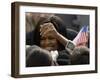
{"x":36,"y":56}
{"x":80,"y":55}
{"x":58,"y":24}
{"x":71,"y":33}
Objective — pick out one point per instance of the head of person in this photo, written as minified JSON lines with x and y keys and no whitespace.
{"x":36,"y":57}
{"x":80,"y":55}
{"x":52,"y":43}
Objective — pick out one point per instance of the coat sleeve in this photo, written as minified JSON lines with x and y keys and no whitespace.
{"x":63,"y":58}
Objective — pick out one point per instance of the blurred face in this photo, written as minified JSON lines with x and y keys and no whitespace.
{"x":48,"y":42}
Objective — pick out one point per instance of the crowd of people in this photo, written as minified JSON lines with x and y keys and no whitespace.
{"x":51,"y":45}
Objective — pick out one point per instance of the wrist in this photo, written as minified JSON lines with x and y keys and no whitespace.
{"x":57,"y":35}
{"x":70,"y":45}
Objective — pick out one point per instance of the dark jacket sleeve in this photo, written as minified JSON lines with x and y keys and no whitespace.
{"x":63,"y":58}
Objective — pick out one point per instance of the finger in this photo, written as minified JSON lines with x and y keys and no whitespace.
{"x":46,"y":25}
{"x":46,"y":32}
{"x":43,"y":28}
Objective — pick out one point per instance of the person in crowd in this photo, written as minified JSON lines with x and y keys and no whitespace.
{"x":31,"y":21}
{"x":50,"y":34}
{"x":36,"y":56}
{"x":80,"y":55}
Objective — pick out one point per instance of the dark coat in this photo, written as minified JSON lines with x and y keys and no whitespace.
{"x":63,"y":58}
{"x":35,"y":56}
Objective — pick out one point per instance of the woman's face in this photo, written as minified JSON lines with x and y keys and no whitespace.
{"x":48,"y":41}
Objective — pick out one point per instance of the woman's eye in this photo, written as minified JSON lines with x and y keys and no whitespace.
{"x":51,"y":38}
{"x":42,"y":38}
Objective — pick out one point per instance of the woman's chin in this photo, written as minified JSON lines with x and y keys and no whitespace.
{"x":50,"y":48}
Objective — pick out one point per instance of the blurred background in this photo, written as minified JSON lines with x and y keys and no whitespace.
{"x":74,"y":22}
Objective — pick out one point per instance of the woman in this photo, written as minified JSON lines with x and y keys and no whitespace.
{"x":53,"y":24}
{"x":50,"y":34}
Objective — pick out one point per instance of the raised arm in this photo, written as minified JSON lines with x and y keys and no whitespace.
{"x":48,"y":28}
